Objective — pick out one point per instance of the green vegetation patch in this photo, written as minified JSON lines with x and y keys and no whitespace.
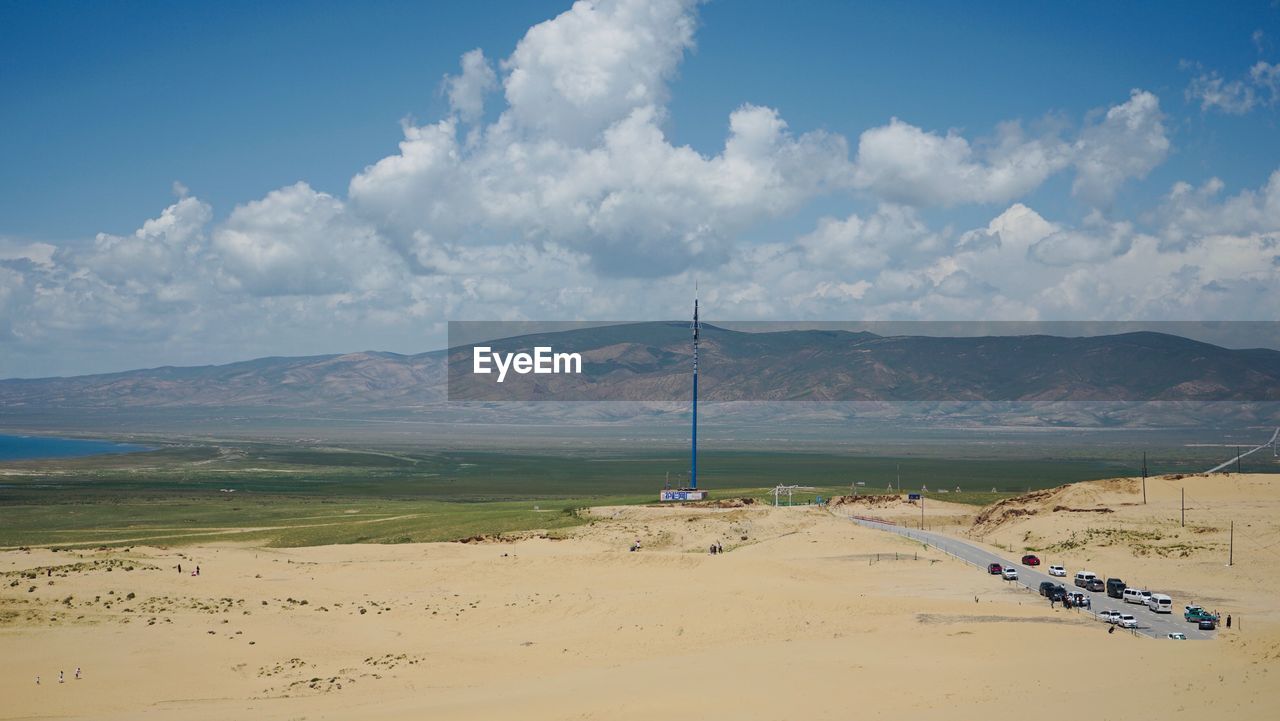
{"x":300,"y":494}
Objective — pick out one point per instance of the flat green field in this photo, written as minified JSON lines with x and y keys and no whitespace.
{"x":269,"y":520}
{"x":495,"y":476}
{"x":298,"y":494}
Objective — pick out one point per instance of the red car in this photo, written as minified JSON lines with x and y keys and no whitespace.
{"x":1030,"y":560}
{"x":995,"y":569}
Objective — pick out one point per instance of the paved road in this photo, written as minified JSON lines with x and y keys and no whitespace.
{"x":1269,"y":444}
{"x":1154,"y":625}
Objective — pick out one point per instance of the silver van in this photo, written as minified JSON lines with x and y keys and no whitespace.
{"x":1160,"y":603}
{"x":1084,"y":577}
{"x":1136,"y":595}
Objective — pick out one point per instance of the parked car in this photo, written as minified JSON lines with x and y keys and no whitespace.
{"x":995,"y":569}
{"x":1079,"y":600}
{"x":1195,"y":613}
{"x":1109,"y":615}
{"x":1207,"y":624}
{"x":1178,"y":636}
{"x":1115,"y":588}
{"x":1046,"y":587}
{"x":1030,"y":560}
{"x":1059,"y":593}
{"x":1127,"y":621}
{"x":1057,"y":571}
{"x":1160,"y":603}
{"x":1010,"y":574}
{"x":1083,"y":578}
{"x":1093,"y":584}
{"x":1136,"y":595}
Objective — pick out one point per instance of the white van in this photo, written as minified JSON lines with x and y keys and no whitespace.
{"x":1084,"y":577}
{"x":1136,"y":595}
{"x":1160,"y":603}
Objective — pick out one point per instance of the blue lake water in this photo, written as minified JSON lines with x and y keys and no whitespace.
{"x":14,"y":448}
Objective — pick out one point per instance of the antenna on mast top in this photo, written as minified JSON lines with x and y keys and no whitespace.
{"x":695,"y":327}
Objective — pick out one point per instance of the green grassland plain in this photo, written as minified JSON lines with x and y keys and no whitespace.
{"x":309,"y":493}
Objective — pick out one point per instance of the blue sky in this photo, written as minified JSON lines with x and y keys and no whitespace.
{"x":107,"y":105}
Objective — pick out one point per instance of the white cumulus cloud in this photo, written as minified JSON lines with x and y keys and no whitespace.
{"x":1259,"y":87}
{"x":907,"y":164}
{"x":1190,"y":214}
{"x":1128,"y":142}
{"x":467,"y":91}
{"x":297,"y":241}
{"x":572,"y":77}
{"x":904,"y":163}
{"x":633,"y":202}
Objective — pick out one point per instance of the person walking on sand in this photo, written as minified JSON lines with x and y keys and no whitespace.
{"x":60,"y":679}
{"x":1228,"y":620}
{"x":197,"y":570}
{"x":179,"y":569}
{"x":77,"y":673}
{"x":37,"y":680}
{"x":719,"y":547}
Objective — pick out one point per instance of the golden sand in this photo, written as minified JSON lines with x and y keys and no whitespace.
{"x":809,"y":617}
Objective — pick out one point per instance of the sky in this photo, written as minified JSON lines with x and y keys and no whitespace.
{"x":194,"y":183}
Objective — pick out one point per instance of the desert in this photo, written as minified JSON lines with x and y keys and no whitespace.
{"x":804,"y":615}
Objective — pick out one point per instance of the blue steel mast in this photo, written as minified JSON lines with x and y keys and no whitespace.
{"x":693,"y":459}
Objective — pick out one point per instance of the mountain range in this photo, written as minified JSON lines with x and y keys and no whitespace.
{"x":652,"y":362}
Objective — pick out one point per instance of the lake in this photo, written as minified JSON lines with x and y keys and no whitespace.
{"x":14,"y":448}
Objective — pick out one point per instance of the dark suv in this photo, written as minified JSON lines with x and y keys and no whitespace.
{"x":1046,"y":587}
{"x":1030,"y":560}
{"x":1115,"y":588}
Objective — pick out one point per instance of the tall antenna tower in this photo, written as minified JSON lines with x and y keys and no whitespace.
{"x":693,"y":451}
{"x":691,"y":493}
{"x":1144,"y":477}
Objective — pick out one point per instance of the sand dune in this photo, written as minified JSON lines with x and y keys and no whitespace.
{"x":806,"y":617}
{"x":1104,"y":526}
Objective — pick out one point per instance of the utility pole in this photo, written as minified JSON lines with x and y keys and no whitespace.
{"x":1184,"y":507}
{"x":1231,"y":545}
{"x":1237,"y":459}
{"x":922,"y":510}
{"x":1144,"y":478}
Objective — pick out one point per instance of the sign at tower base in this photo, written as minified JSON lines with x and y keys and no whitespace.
{"x":682,"y":494}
